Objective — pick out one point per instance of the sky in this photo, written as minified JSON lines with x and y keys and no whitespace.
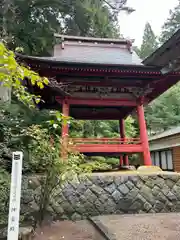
{"x":153,"y":11}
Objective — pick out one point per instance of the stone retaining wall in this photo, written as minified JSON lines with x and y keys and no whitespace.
{"x":100,"y":194}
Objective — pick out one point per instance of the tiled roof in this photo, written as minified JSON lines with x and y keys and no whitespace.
{"x":167,"y":133}
{"x":167,"y":53}
{"x":95,"y":50}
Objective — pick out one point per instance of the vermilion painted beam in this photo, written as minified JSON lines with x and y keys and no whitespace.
{"x":65,"y":130}
{"x":109,"y":148}
{"x":99,"y":102}
{"x":143,"y":135}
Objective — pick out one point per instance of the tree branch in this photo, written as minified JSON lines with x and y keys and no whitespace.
{"x":121,"y":2}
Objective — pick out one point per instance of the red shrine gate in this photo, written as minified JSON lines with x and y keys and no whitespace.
{"x":100,"y":79}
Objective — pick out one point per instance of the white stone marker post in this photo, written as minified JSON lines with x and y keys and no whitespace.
{"x":15,"y":196}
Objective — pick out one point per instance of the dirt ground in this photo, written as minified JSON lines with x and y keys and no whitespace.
{"x":165,"y":226}
{"x":68,"y":230}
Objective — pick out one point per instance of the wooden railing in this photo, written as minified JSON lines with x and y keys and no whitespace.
{"x":106,"y":141}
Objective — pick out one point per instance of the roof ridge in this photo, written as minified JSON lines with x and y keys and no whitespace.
{"x":169,"y":132}
{"x":91,"y":39}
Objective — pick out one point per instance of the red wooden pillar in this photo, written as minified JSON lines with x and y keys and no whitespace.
{"x":123,"y":159}
{"x":143,"y":135}
{"x":65,"y":130}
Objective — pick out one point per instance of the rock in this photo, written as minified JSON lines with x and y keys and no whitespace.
{"x":3,"y":234}
{"x":27,"y":196}
{"x":117,"y":196}
{"x":26,"y":233}
{"x":99,"y":194}
{"x":81,"y":188}
{"x":76,"y":217}
{"x":124,"y":205}
{"x":58,"y":209}
{"x":33,"y":182}
{"x":156,"y":190}
{"x":136,"y":206}
{"x":123,"y":189}
{"x":162,"y":198}
{"x":169,"y":183}
{"x":68,"y":208}
{"x":171,"y":196}
{"x":132,"y":194}
{"x":176,"y":191}
{"x":96,"y":190}
{"x":158,"y":206}
{"x":130,"y":185}
{"x":165,"y":189}
{"x":100,"y":206}
{"x":68,"y":191}
{"x":90,"y":196}
{"x":80,"y":208}
{"x":146,"y":192}
{"x":109,"y":207}
{"x":103,"y":198}
{"x":147,"y":206}
{"x":110,"y":188}
{"x":159,"y":182}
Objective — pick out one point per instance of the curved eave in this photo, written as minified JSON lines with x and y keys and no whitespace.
{"x":155,"y":79}
{"x":54,"y":64}
{"x":166,"y":53}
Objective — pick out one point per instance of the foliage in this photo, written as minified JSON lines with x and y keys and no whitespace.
{"x":110,"y":128}
{"x":171,"y":25}
{"x":90,"y":18}
{"x":95,"y":166}
{"x":13,"y":75}
{"x":98,"y":163}
{"x":32,"y":24}
{"x":164,"y":112}
{"x":45,"y":157}
{"x":4,"y":199}
{"x":149,"y":44}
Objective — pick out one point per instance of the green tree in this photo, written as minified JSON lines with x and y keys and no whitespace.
{"x":90,"y":18}
{"x":31,"y":24}
{"x":164,"y":112}
{"x":13,"y":76}
{"x":172,"y":24}
{"x":106,"y":128}
{"x":149,"y":43}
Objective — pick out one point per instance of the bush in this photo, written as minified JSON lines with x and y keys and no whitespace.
{"x":4,"y":198}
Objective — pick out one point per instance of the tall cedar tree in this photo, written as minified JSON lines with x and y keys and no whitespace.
{"x":172,"y":24}
{"x":149,"y":44}
{"x":164,"y":112}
